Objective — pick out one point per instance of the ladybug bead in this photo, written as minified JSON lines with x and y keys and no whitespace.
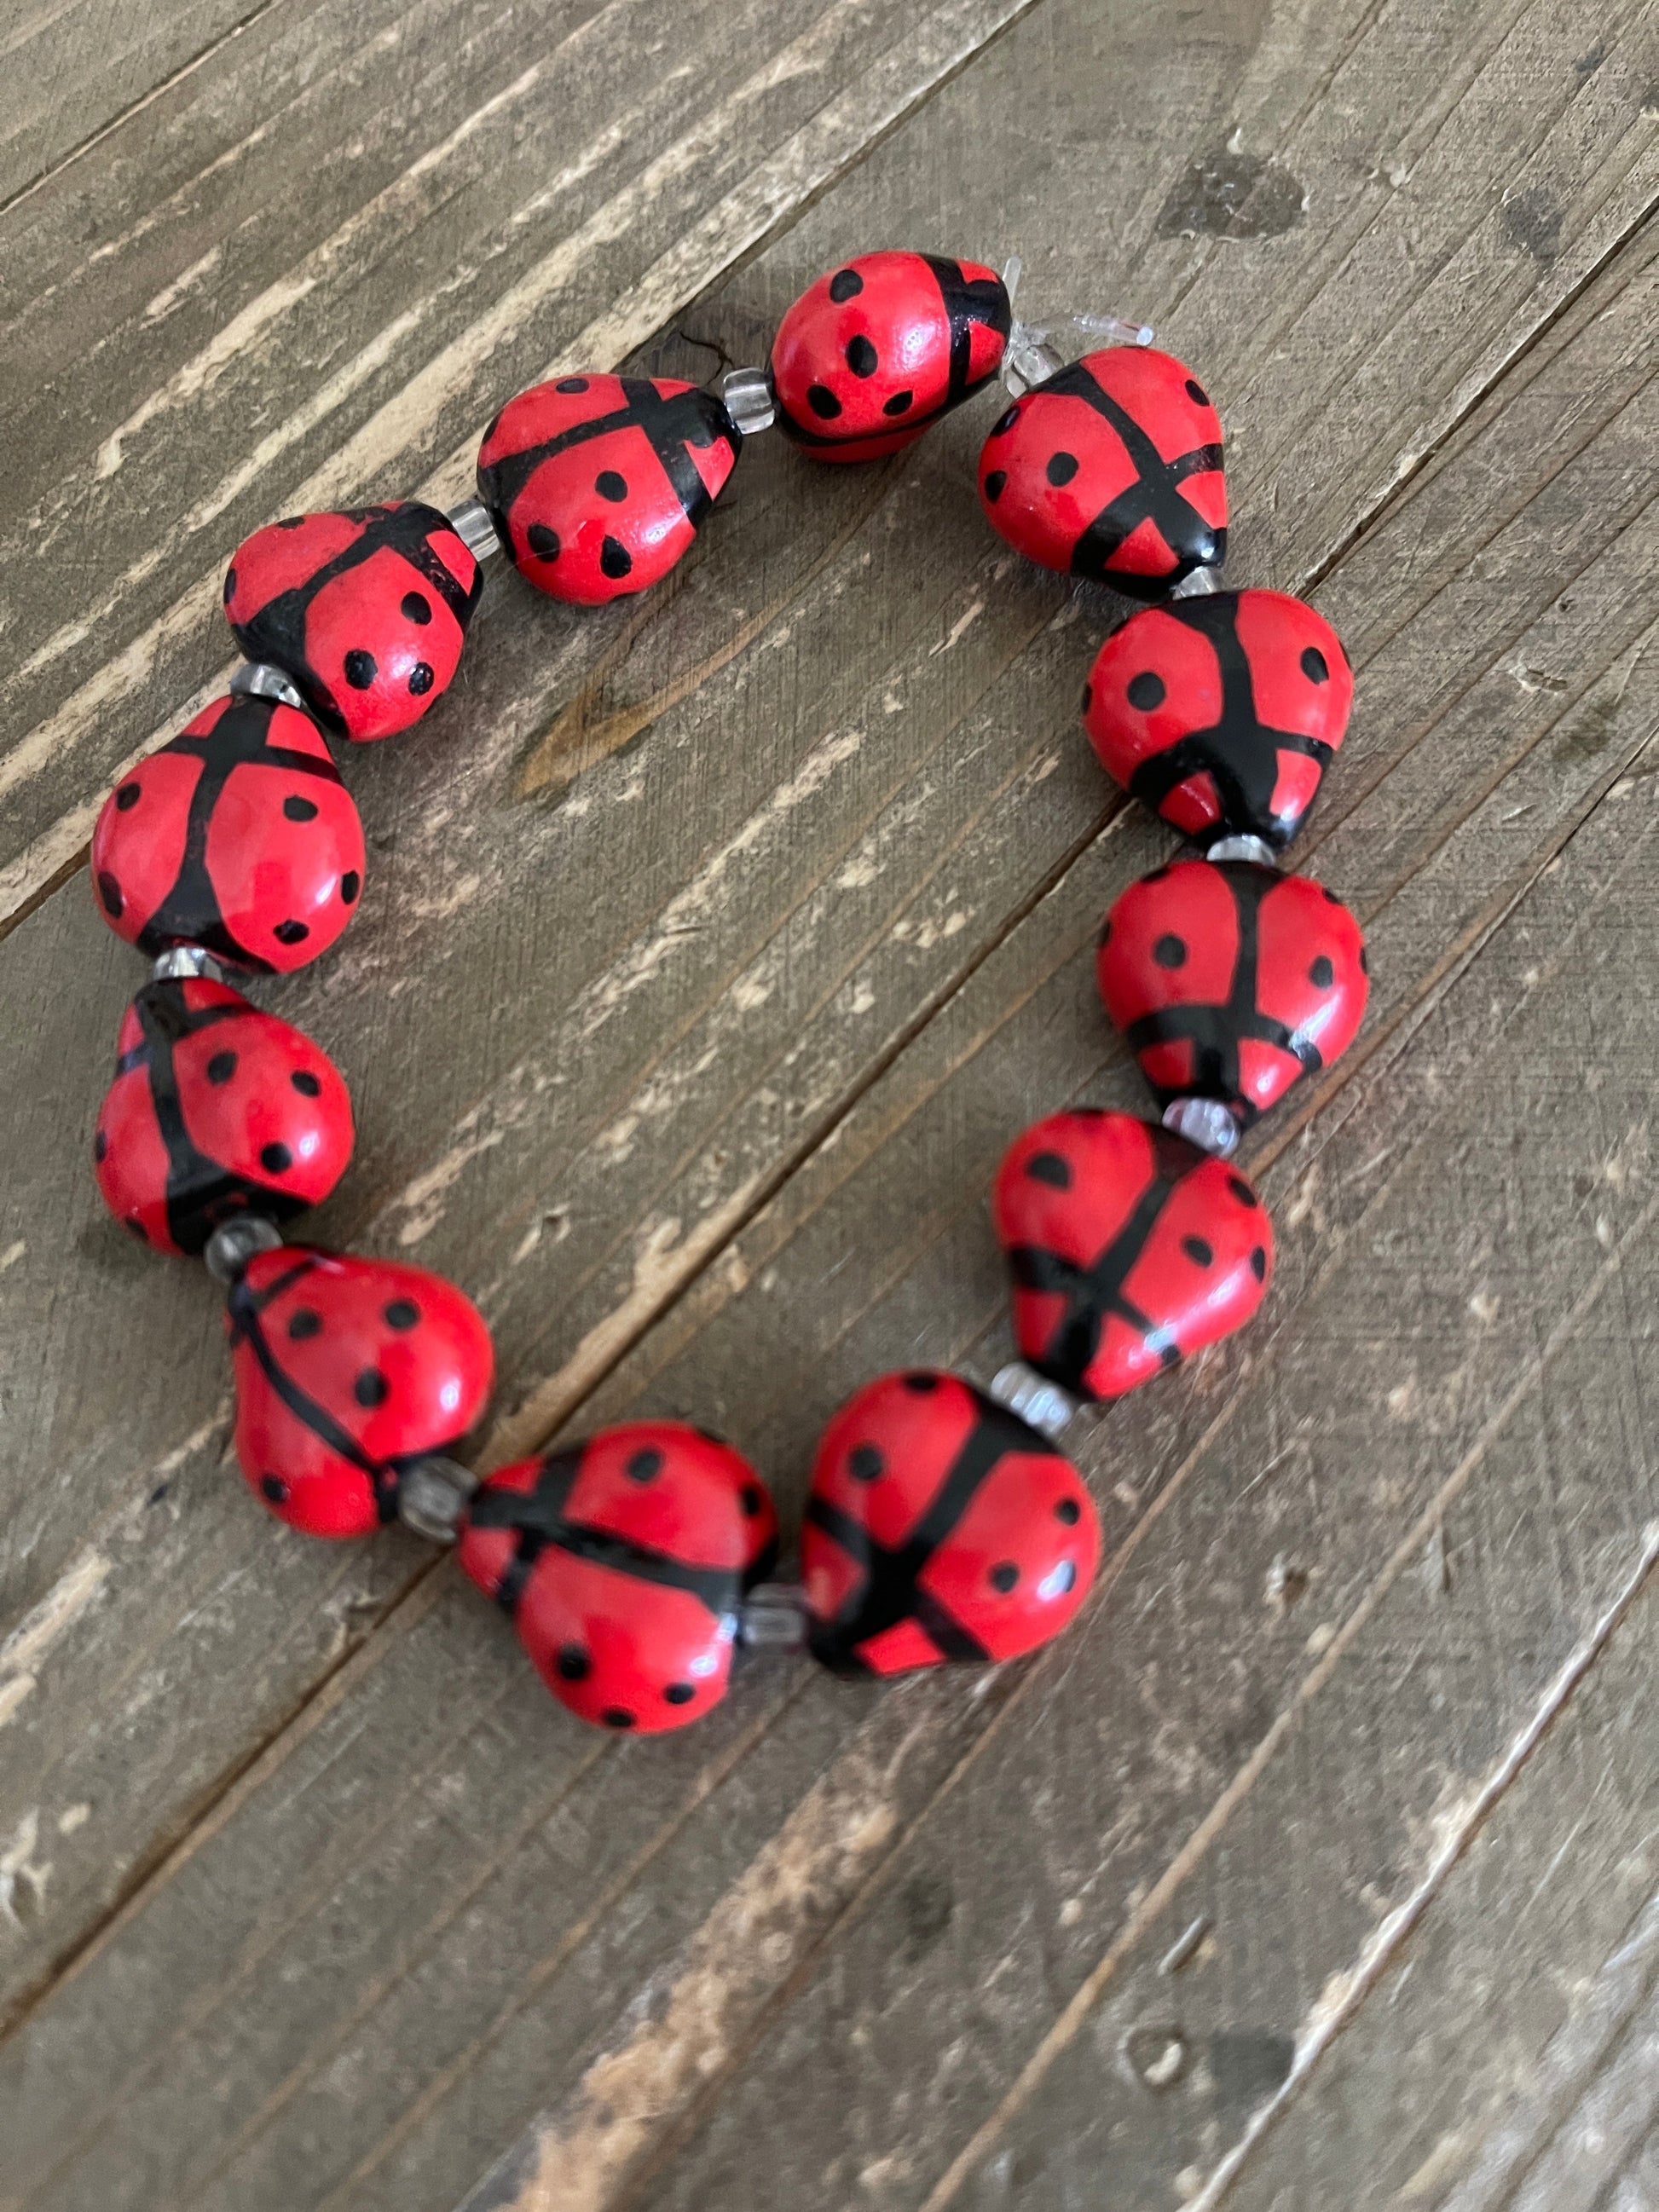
{"x":345,"y":1370}
{"x":1221,"y":713}
{"x":879,"y":348}
{"x":1231,"y":980}
{"x":598,"y":484}
{"x":237,"y":835}
{"x":217,"y":1107}
{"x":1111,"y":468}
{"x":1129,"y":1248}
{"x":366,"y":611}
{"x":623,"y":1562}
{"x":939,"y":1527}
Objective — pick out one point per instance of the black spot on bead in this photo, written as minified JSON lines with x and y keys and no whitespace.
{"x":865,"y":1462}
{"x":222,"y":1067}
{"x":230,"y":586}
{"x":109,"y":892}
{"x":100,"y":1145}
{"x":571,"y":384}
{"x":823,"y":402}
{"x":273,"y":1487}
{"x":126,"y":798}
{"x":1146,"y":692}
{"x":304,"y":1323}
{"x":305,"y":1083}
{"x":296,"y":933}
{"x":1321,"y":973}
{"x":371,"y":1388}
{"x":422,"y":677}
{"x":644,"y":1466}
{"x":416,"y":608}
{"x":612,"y":486}
{"x":679,"y":1694}
{"x":574,"y":1664}
{"x":401,"y":1314}
{"x":1005,"y":421}
{"x":1069,"y":1511}
{"x":751,"y":1499}
{"x":860,"y":356}
{"x":1050,"y":1168}
{"x":299,"y":810}
{"x":1242,"y":1191}
{"x":1259,"y":1264}
{"x":846,"y":284}
{"x":350,"y":883}
{"x":1170,"y":950}
{"x":1062,"y":468}
{"x":617,"y":1716}
{"x":900,"y":404}
{"x":360,"y":669}
{"x":1315,"y":666}
{"x":994,"y":484}
{"x":1004,"y":1576}
{"x":1197,"y":1251}
{"x":275,"y":1159}
{"x":1197,"y":393}
{"x":614,"y":559}
{"x":543,"y":541}
{"x":921,"y":1382}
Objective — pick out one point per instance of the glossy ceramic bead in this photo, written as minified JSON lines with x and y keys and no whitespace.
{"x":1129,"y":1250}
{"x":1222,"y":712}
{"x":598,"y":484}
{"x":623,"y":1562}
{"x":1112,"y":469}
{"x":238,"y":836}
{"x":216,"y":1109}
{"x":883,"y":346}
{"x":939,"y":1527}
{"x":346,"y":1369}
{"x":1231,"y":980}
{"x":366,"y":611}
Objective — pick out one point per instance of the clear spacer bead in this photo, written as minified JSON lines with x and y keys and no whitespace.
{"x":1241,"y":847}
{"x":259,"y":679}
{"x":1205,"y":1122}
{"x":475,"y":525}
{"x":234,"y":1243}
{"x":746,"y":396}
{"x":774,"y":1618}
{"x":1196,"y":583}
{"x":432,"y":1495}
{"x":179,"y":963}
{"x":1042,"y":1404}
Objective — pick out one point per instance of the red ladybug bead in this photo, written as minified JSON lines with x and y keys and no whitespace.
{"x":345,"y":1370}
{"x":1221,"y":713}
{"x":238,"y":836}
{"x":599,"y":484}
{"x":879,"y":348}
{"x":1112,"y":469}
{"x":1231,"y":980}
{"x":366,"y":611}
{"x":940,"y":1527}
{"x":1129,"y":1248}
{"x":623,"y":1561}
{"x":216,"y":1108}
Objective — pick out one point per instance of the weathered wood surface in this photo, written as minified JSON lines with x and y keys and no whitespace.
{"x":713,"y":948}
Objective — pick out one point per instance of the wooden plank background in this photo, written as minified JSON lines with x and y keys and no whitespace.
{"x":713,"y":947}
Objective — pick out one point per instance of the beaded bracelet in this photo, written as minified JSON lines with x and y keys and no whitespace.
{"x":943,"y":1521}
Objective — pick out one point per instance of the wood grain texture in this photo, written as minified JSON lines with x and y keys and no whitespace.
{"x":713,"y":949}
